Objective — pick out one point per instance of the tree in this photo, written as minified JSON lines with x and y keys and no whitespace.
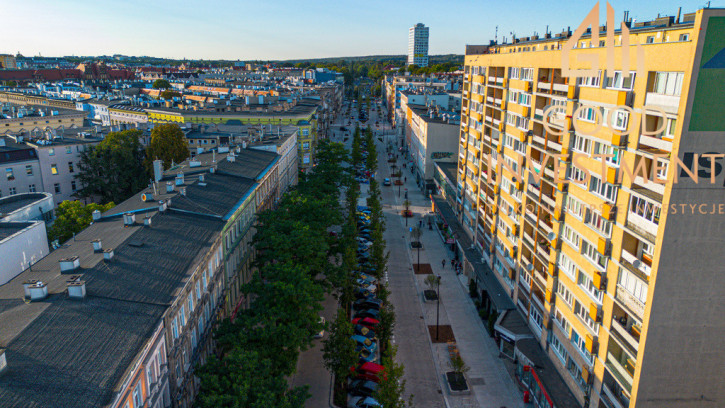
{"x":458,"y":365}
{"x":170,"y":94}
{"x":161,"y":84}
{"x":387,"y":324}
{"x":167,"y":144}
{"x":72,"y":217}
{"x":392,"y":386}
{"x":338,"y":350}
{"x":112,"y":170}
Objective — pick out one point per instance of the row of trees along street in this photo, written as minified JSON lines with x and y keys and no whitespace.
{"x":297,"y":262}
{"x":114,"y":170}
{"x":339,"y":353}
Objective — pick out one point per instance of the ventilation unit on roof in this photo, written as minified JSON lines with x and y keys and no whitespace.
{"x":129,"y":219}
{"x":179,"y":179}
{"x":108,"y":254}
{"x":182,"y":190}
{"x":69,"y":264}
{"x":147,"y":197}
{"x":3,"y":361}
{"x":76,"y":287}
{"x":96,"y":215}
{"x":231,"y":158}
{"x":169,"y":187}
{"x":201,"y":178}
{"x":97,"y":247}
{"x":37,"y":291}
{"x":162,"y":206}
{"x":147,"y":221}
{"x":194,"y":163}
{"x":26,"y":286}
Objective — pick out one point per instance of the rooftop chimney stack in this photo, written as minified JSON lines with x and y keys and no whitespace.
{"x":158,"y":170}
{"x":76,"y":287}
{"x":97,"y":247}
{"x":129,"y":219}
{"x":70,"y":264}
{"x":96,"y":215}
{"x":108,"y":254}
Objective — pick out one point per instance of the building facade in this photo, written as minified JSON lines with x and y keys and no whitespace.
{"x":418,"y":45}
{"x":566,"y":187}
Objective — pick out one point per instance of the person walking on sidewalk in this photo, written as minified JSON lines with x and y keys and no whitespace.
{"x":443,"y":264}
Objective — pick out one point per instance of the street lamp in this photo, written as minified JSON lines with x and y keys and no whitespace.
{"x":438,"y":307}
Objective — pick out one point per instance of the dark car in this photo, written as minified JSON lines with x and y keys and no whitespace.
{"x":361,"y":293}
{"x":386,"y":182}
{"x":364,"y":331}
{"x":362,"y":388}
{"x":375,"y":314}
{"x":370,"y":303}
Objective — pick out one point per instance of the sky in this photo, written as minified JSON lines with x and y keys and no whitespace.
{"x":285,"y":29}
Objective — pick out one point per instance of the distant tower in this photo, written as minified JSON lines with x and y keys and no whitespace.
{"x":418,"y":45}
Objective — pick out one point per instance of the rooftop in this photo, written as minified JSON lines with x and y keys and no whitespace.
{"x":8,"y":229}
{"x":15,"y":202}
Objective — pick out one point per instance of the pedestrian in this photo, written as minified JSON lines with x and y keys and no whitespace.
{"x":420,"y":223}
{"x":443,"y":264}
{"x":406,"y":179}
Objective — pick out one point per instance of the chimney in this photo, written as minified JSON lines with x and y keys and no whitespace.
{"x":158,"y":170}
{"x":76,"y":287}
{"x":97,"y":247}
{"x":147,"y":221}
{"x":201,"y":178}
{"x":37,"y":291}
{"x":169,"y":187}
{"x":3,"y":361}
{"x":182,"y":190}
{"x":69,"y":264}
{"x":129,"y":219}
{"x":179,"y":179}
{"x":2,"y":142}
{"x":162,"y":206}
{"x":108,"y":254}
{"x":96,"y":215}
{"x":679,"y":13}
{"x":26,"y":286}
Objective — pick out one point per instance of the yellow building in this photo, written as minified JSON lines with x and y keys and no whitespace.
{"x":7,"y":61}
{"x":619,"y":277}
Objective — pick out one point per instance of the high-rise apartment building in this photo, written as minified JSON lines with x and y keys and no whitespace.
{"x":418,"y":45}
{"x":580,"y":194}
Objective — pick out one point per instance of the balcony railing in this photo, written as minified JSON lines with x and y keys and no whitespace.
{"x":624,"y":334}
{"x":631,"y":302}
{"x":655,"y":142}
{"x":633,"y":260}
{"x":619,"y":372}
{"x":668,"y":103}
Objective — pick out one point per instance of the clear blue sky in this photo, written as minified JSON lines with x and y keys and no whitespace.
{"x":284,"y":29}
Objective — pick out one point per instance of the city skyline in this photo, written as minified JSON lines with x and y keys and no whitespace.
{"x":279,"y":31}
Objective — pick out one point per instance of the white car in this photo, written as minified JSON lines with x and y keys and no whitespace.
{"x":322,"y":332}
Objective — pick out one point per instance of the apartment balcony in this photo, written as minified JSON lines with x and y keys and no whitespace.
{"x":622,"y":369}
{"x":610,"y":398}
{"x":658,"y":188}
{"x":657,"y":143}
{"x":629,"y":301}
{"x":668,"y":103}
{"x":548,"y":202}
{"x":561,"y":88}
{"x":625,"y":336}
{"x":642,"y":226}
{"x":641,"y":264}
{"x":546,"y":86}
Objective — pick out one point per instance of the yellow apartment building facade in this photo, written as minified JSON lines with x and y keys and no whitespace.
{"x":619,"y":281}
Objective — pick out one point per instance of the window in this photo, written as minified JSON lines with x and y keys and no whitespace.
{"x":619,"y":81}
{"x":182,"y":316}
{"x":29,"y":170}
{"x":9,"y":174}
{"x":51,"y":151}
{"x":601,"y":43}
{"x":599,"y":224}
{"x":73,"y":185}
{"x":563,"y":323}
{"x":684,"y":37}
{"x":577,"y":175}
{"x":603,"y":148}
{"x":137,"y":396}
{"x":54,"y":169}
{"x":12,"y":190}
{"x":633,"y":285}
{"x":580,"y":344}
{"x":662,"y":166}
{"x":620,"y":120}
{"x":190,"y":302}
{"x":559,"y":349}
{"x":586,"y":283}
{"x":645,"y":209}
{"x":668,"y":83}
{"x":571,"y":236}
{"x":567,"y":266}
{"x":536,"y":318}
{"x":604,"y":190}
{"x":70,"y":167}
{"x":582,"y":144}
{"x":31,"y":188}
{"x":575,"y":207}
{"x":650,"y":39}
{"x":175,"y":328}
{"x":592,"y":254}
{"x":590,"y":114}
{"x":525,"y":99}
{"x":198,"y":289}
{"x":592,"y":81}
{"x":193,"y":338}
{"x":565,"y":294}
{"x":56,"y":186}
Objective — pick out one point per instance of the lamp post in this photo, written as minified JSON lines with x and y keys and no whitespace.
{"x":438,"y":306}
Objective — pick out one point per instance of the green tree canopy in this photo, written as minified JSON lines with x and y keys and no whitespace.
{"x":168,"y":94}
{"x":112,"y":170}
{"x":161,"y":84}
{"x":72,"y":217}
{"x":338,"y":350}
{"x":167,"y":144}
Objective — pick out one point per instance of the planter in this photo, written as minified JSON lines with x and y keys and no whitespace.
{"x":430,"y":295}
{"x":457,"y":384}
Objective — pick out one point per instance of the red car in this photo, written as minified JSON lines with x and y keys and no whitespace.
{"x":368,"y":322}
{"x":370,"y":371}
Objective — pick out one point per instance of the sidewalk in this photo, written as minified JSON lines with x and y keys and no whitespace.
{"x":488,"y":377}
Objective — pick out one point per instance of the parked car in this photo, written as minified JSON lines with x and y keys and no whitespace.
{"x":375,"y":314}
{"x":364,"y":241}
{"x":364,"y":402}
{"x":362,"y":304}
{"x":322,"y":332}
{"x":367,"y":356}
{"x":363,"y":342}
{"x":370,"y":371}
{"x":366,"y":281}
{"x":362,"y":293}
{"x":369,"y":288}
{"x":386,"y":182}
{"x":362,"y":388}
{"x":369,"y":322}
{"x":363,"y":331}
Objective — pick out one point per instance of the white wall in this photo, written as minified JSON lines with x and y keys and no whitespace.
{"x":21,"y":249}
